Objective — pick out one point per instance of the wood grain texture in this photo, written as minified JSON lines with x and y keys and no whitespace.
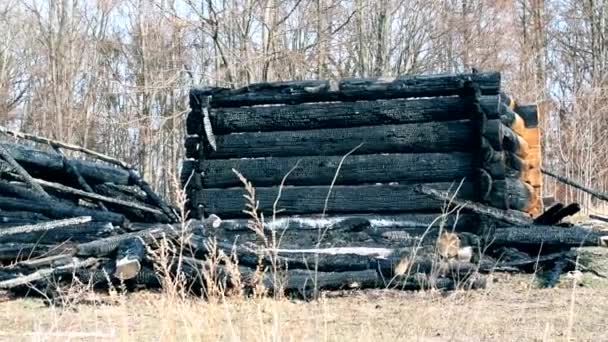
{"x":342,"y":114}
{"x":408,"y":138}
{"x":229,"y":203}
{"x":356,"y":169}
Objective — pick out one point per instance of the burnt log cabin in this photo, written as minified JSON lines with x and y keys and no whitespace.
{"x":368,"y":143}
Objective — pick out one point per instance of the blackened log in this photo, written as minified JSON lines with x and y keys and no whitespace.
{"x":60,"y":210}
{"x":92,"y":195}
{"x":24,"y":215}
{"x":198,"y":95}
{"x":72,"y":171}
{"x":556,"y":213}
{"x":306,"y":282}
{"x":418,"y":86}
{"x":190,"y":175}
{"x":78,"y":233}
{"x":510,"y":216}
{"x":423,"y":262}
{"x":556,"y":271}
{"x":529,"y":113}
{"x":271,"y":93}
{"x":193,"y":146}
{"x":494,"y":134}
{"x":6,"y":155}
{"x":356,"y":169}
{"x":14,"y":251}
{"x":598,"y":217}
{"x":59,"y":144}
{"x":511,"y":193}
{"x":547,"y":236}
{"x":385,"y":198}
{"x":50,"y":164}
{"x":530,"y":263}
{"x":339,"y":114}
{"x":502,"y":138}
{"x":514,"y":143}
{"x":516,"y":163}
{"x":151,"y":234}
{"x":44,"y":226}
{"x":53,"y":261}
{"x":194,"y":121}
{"x":131,"y":193}
{"x":548,"y":215}
{"x":354,"y":90}
{"x":21,"y":190}
{"x":577,"y":185}
{"x":129,"y":258}
{"x":152,"y":197}
{"x":408,"y":138}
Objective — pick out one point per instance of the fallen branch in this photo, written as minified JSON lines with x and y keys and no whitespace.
{"x":575,"y":184}
{"x":598,"y":217}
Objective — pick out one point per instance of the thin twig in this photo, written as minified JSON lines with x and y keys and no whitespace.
{"x":333,"y":181}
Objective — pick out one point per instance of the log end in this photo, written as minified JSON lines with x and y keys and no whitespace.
{"x":127,"y":268}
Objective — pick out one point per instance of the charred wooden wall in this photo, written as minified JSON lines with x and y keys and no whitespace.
{"x":436,"y":130}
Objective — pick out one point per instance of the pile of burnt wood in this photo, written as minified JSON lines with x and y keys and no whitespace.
{"x":96,"y":222}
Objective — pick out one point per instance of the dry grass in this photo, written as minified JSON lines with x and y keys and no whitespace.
{"x":509,"y":310}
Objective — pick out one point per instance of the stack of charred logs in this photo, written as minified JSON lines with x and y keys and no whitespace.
{"x":357,"y":192}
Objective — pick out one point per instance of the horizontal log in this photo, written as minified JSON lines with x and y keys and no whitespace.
{"x":548,"y":236}
{"x":357,"y":169}
{"x":50,"y":165}
{"x":78,"y":233}
{"x":59,"y":210}
{"x":407,"y":138}
{"x":271,"y":93}
{"x":11,"y":251}
{"x":338,"y":114}
{"x":150,"y":233}
{"x":5,"y":216}
{"x":345,"y":231}
{"x":354,"y":89}
{"x":385,"y":198}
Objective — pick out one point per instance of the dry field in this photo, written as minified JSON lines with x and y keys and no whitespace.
{"x":510,"y":309}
